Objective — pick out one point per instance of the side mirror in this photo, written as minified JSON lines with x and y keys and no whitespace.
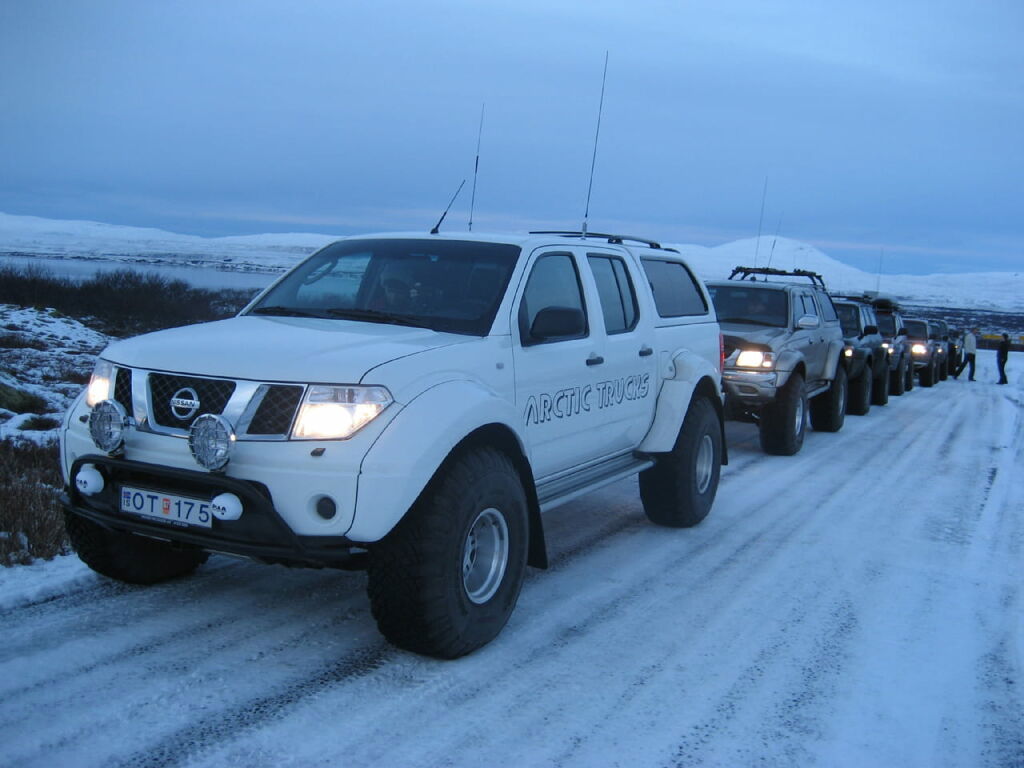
{"x":870,"y":329}
{"x":558,"y":323}
{"x":807,"y":322}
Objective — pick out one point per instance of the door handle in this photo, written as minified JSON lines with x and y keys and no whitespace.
{"x":595,"y":360}
{"x":646,"y":351}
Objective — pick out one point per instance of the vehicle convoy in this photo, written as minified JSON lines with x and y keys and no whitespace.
{"x":894,"y":339}
{"x":925,"y":352}
{"x":407,"y":404}
{"x":783,"y":354}
{"x":867,"y":358}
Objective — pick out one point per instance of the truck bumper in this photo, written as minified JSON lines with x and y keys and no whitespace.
{"x":260,"y":533}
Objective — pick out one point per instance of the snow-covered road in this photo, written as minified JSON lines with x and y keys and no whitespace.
{"x":858,"y":604}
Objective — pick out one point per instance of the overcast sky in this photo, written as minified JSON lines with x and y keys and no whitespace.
{"x":882,"y":127}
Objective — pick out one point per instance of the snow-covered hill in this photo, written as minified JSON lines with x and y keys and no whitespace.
{"x":987,"y":290}
{"x":25,"y":235}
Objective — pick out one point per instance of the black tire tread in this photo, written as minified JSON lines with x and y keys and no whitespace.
{"x":667,"y":489}
{"x":129,"y":558}
{"x":828,"y":410}
{"x":406,"y":580}
{"x":775,"y":431}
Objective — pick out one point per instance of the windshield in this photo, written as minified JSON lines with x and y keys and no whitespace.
{"x":916,"y":329}
{"x":445,"y":285}
{"x":848,"y":318}
{"x":756,"y":306}
{"x":886,"y":324}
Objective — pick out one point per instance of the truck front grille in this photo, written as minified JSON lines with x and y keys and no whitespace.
{"x":212,"y":394}
{"x":276,"y":411}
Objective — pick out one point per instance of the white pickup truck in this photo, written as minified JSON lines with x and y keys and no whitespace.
{"x":410,"y":404}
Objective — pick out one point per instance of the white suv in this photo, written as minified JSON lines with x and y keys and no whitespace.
{"x":408,"y":404}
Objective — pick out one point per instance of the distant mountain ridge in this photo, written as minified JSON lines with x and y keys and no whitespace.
{"x":32,"y":235}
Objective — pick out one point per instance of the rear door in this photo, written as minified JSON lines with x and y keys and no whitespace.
{"x":626,"y":392}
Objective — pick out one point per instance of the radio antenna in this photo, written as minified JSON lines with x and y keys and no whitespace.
{"x":437,"y":226}
{"x":772,"y":252}
{"x":878,"y":282}
{"x":597,"y":133}
{"x":760,"y":220}
{"x":476,"y":166}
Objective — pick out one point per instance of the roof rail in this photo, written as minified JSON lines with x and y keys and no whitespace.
{"x":750,"y":273}
{"x":612,"y":239}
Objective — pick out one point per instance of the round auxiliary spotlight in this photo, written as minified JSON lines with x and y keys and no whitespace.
{"x":107,"y":424}
{"x":210,"y":439}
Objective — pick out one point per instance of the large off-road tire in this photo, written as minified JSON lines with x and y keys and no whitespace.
{"x":828,"y":410}
{"x":898,"y":379}
{"x":910,"y":376}
{"x":860,"y":393}
{"x":784,"y":422}
{"x":880,"y":387}
{"x":927,"y":375}
{"x":445,"y":580}
{"x":680,"y":488}
{"x":125,"y":557}
{"x":944,"y":370}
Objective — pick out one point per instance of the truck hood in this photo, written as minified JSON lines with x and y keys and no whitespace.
{"x":737,"y":334}
{"x":278,"y":348}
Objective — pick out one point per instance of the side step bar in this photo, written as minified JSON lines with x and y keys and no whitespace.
{"x":566,"y":487}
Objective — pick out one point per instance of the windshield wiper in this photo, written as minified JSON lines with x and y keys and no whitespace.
{"x":284,"y":311}
{"x":378,"y":316}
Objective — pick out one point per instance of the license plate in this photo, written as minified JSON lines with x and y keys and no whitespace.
{"x":179,"y":510}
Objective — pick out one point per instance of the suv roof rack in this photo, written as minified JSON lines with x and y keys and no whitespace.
{"x":750,"y":273}
{"x":612,"y":239}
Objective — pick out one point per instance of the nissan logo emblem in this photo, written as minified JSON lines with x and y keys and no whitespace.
{"x":185,"y":403}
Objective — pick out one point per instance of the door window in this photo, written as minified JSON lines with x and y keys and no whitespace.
{"x":615,"y":289}
{"x":554,"y":284}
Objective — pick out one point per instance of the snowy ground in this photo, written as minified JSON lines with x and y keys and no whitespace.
{"x":56,"y":372}
{"x":858,"y":604}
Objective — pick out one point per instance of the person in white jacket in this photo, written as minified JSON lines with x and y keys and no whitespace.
{"x":970,"y":350}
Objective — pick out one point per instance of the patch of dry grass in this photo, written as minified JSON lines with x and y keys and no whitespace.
{"x":31,"y":523}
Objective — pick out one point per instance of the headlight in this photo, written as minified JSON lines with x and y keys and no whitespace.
{"x":919,"y":349}
{"x":100,"y":383}
{"x":754,"y":358}
{"x":886,"y":345}
{"x":337,"y":413}
{"x":848,"y":351}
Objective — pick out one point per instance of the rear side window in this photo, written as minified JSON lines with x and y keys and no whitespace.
{"x":615,"y":288}
{"x":675,"y":289}
{"x":828,"y":310}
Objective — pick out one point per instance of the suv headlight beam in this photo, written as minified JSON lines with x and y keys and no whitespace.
{"x":338,"y":412}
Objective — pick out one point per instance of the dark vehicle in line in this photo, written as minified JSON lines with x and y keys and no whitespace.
{"x":867,"y":361}
{"x":924,"y":351}
{"x":940,"y":335}
{"x":894,"y":339}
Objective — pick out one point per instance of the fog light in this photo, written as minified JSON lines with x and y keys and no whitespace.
{"x":226,"y":506}
{"x":210,"y":439}
{"x":89,"y":481}
{"x":326,"y":508}
{"x":106,"y":425}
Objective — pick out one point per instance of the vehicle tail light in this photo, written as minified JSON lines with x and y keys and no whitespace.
{"x":721,"y":353}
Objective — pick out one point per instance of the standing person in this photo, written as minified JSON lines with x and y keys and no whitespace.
{"x":970,"y":351}
{"x":1001,"y":355}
